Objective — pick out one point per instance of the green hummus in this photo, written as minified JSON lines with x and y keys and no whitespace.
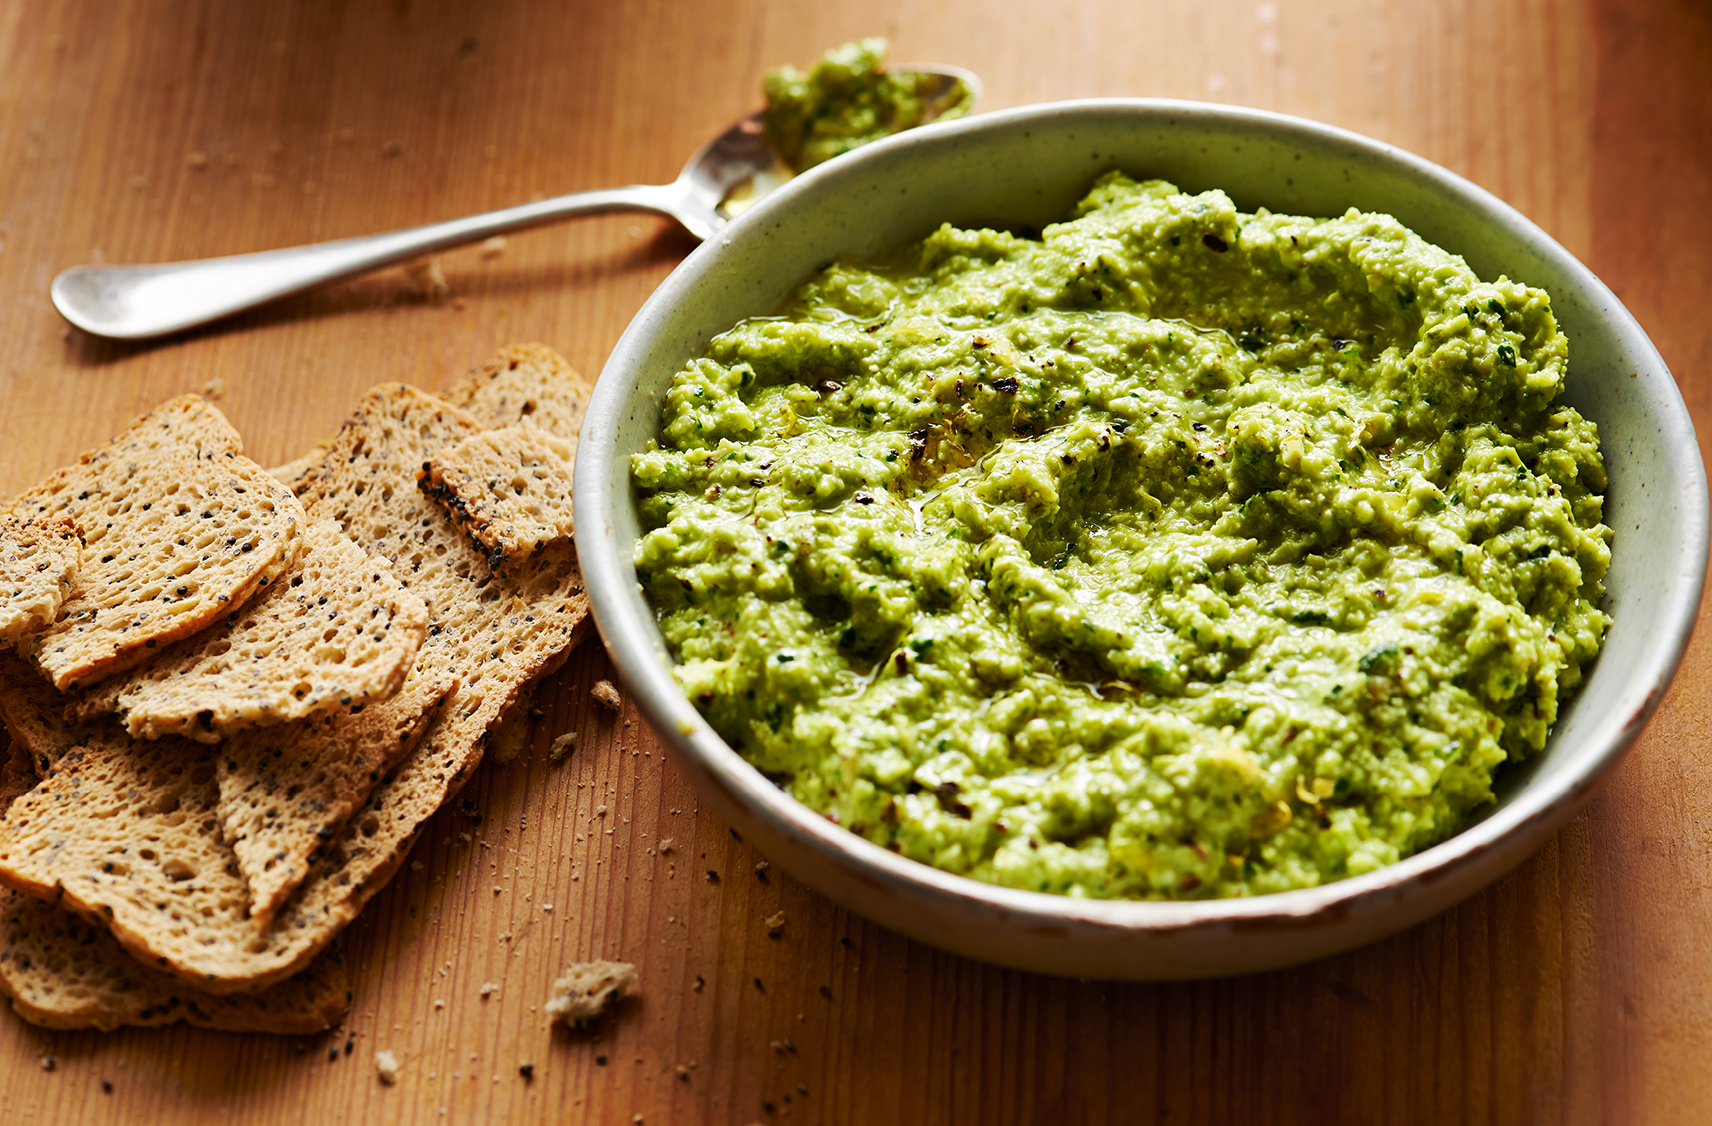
{"x":846,"y":100}
{"x":1177,"y":553}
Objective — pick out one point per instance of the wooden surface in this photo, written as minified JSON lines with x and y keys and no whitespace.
{"x":1577,"y":989}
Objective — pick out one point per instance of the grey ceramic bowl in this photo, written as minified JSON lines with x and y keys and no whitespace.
{"x":1028,"y":166}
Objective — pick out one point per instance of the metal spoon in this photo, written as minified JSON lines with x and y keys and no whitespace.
{"x":727,"y":174}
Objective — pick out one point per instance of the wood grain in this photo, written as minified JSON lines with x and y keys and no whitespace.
{"x":1574,"y":990}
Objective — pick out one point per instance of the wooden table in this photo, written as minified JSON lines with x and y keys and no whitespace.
{"x":1578,"y":988}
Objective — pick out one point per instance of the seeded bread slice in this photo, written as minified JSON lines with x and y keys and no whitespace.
{"x":524,"y":381}
{"x":180,"y":529}
{"x":336,"y":630}
{"x":508,"y":490}
{"x":285,"y":793}
{"x":64,"y":973}
{"x":37,"y":558}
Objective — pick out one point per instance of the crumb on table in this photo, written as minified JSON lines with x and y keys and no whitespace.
{"x":586,"y":989}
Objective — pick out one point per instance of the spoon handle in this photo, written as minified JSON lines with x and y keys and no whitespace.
{"x":137,"y":302}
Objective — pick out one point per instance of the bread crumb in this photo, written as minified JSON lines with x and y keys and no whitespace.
{"x":49,"y":1062}
{"x":585,"y":990}
{"x":386,"y":1066}
{"x":562,"y":746}
{"x":604,"y":691}
{"x":665,"y":845}
{"x":488,"y":989}
{"x":439,"y":1004}
{"x":775,"y":922}
{"x":508,"y":738}
{"x":426,"y":279}
{"x":416,"y":865}
{"x":214,"y":389}
{"x":493,"y":247}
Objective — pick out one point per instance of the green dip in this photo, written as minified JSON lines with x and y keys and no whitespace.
{"x":1178,"y":553}
{"x":846,"y":100}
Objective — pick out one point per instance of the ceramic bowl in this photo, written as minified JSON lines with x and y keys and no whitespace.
{"x":1027,"y":167}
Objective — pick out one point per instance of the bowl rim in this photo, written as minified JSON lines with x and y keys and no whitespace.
{"x":1535,"y":810}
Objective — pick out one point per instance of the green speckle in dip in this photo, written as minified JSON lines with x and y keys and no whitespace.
{"x":846,"y":100}
{"x":1178,"y":553}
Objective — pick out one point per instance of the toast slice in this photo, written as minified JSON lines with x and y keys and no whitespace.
{"x":37,"y":558}
{"x":336,"y":631}
{"x":524,"y":382}
{"x":17,"y":774}
{"x":285,"y":793}
{"x":64,"y":973}
{"x":508,"y":490}
{"x":180,"y":529}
